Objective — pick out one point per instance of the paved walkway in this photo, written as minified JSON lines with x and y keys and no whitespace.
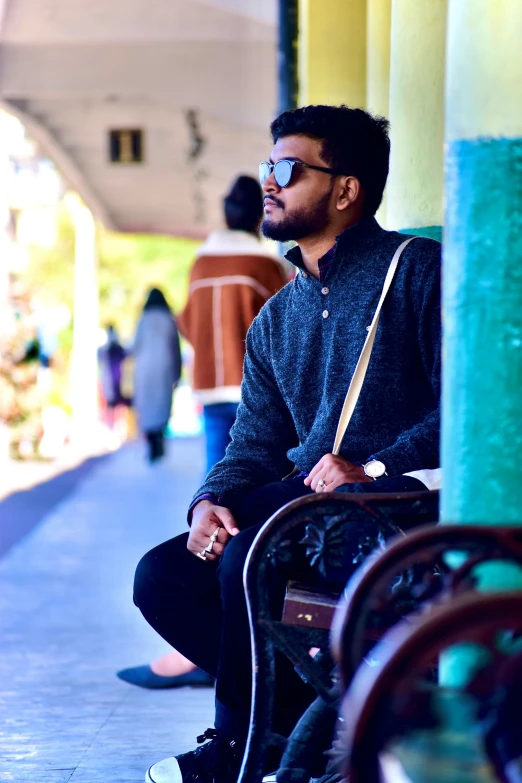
{"x":32,"y":491}
{"x":67,"y":623}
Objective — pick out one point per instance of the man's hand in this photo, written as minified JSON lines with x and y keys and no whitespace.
{"x":334,"y":471}
{"x":206,"y":519}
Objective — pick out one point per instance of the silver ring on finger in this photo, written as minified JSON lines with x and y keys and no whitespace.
{"x":212,"y":541}
{"x":321,"y":484}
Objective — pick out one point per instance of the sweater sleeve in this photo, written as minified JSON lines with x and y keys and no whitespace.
{"x":419,"y":447}
{"x":263,"y":431}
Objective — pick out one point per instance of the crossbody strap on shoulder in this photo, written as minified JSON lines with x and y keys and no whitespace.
{"x":359,"y":374}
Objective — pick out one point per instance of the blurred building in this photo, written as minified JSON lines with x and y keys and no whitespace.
{"x":149,"y":109}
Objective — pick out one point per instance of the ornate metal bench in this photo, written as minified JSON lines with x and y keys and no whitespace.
{"x":315,"y":544}
{"x":395,"y":697}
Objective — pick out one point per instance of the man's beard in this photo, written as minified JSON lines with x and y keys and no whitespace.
{"x":300,"y":223}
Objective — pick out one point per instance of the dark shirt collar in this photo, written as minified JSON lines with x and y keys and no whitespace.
{"x":352,"y":240}
{"x":326,"y":262}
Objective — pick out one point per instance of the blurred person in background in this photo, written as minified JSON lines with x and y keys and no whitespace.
{"x":233,"y":276}
{"x":157,"y":369}
{"x":112,"y":355}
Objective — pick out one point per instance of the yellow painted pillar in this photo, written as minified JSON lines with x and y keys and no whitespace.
{"x":416,"y":181}
{"x":378,"y":40}
{"x":332,"y":52}
{"x":378,"y":26}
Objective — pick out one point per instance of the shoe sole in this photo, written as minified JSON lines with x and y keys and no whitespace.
{"x":172,"y":775}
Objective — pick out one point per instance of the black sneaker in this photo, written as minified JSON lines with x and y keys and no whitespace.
{"x":216,"y":761}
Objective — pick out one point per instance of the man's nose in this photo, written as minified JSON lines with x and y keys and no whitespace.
{"x":270,"y":185}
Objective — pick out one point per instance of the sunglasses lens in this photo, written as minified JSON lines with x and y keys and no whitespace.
{"x":264,"y":172}
{"x":283,"y":173}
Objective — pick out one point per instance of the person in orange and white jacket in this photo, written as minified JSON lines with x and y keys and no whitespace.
{"x":233,"y":276}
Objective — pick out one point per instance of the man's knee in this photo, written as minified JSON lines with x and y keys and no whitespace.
{"x":234,"y":556}
{"x":144,"y":579}
{"x":159,"y":569}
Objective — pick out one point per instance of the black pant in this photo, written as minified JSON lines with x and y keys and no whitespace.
{"x":200,"y":609}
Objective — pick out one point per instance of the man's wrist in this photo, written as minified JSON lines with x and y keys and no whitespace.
{"x":362,"y":475}
{"x":205,"y":503}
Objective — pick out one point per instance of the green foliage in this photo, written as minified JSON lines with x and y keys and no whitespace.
{"x":128,"y":265}
{"x":131,"y":264}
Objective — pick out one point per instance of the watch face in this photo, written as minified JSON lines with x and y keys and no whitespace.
{"x":375,"y":469}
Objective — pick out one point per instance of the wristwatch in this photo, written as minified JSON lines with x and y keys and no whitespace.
{"x":374,"y":469}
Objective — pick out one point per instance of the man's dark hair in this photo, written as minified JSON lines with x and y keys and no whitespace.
{"x":244,"y":205}
{"x":353,"y":141}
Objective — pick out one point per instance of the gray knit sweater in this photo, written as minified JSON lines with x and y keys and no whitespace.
{"x":302,"y":349}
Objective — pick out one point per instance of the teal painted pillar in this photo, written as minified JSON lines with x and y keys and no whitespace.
{"x":482,"y":281}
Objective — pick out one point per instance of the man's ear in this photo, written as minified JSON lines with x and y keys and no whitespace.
{"x":349,"y":192}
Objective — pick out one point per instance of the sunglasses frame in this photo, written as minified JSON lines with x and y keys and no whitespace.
{"x":272,"y":170}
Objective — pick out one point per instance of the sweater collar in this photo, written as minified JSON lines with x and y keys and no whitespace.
{"x":352,"y":241}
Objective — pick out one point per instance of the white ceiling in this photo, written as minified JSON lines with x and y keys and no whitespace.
{"x":72,"y":70}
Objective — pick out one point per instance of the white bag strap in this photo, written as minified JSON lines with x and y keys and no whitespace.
{"x":352,"y":395}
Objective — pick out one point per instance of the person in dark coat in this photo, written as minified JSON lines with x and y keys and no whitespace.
{"x":112,"y":356}
{"x":157,"y":370}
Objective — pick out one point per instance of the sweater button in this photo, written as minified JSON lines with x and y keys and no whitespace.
{"x":325,"y":313}
{"x":325,"y":291}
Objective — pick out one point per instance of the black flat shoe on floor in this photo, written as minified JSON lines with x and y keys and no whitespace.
{"x":146,"y":678}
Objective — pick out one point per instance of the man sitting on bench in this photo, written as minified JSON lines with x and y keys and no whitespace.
{"x":323,"y":184}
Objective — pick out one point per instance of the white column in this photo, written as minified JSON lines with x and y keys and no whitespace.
{"x":85,"y":429}
{"x":5,"y":318}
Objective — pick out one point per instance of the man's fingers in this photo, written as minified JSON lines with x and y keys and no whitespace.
{"x":334,"y":471}
{"x":331,"y":487}
{"x":211,"y":532}
{"x":228,"y":521}
{"x":198,"y":545}
{"x":198,"y":548}
{"x":313,"y":473}
{"x":321,"y":476}
{"x":220,"y":542}
{"x":200,"y":542}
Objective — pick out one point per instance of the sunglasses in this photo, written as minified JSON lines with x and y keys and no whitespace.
{"x":284,"y":169}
